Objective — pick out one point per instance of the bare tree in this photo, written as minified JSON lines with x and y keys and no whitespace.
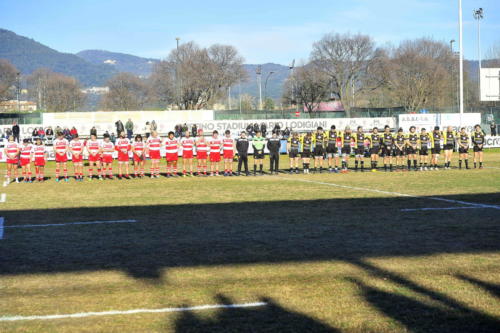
{"x":308,"y":86}
{"x":126,"y":92}
{"x":7,"y":78}
{"x":351,"y":61}
{"x":55,"y":92}
{"x":493,"y":55}
{"x":247,"y":102}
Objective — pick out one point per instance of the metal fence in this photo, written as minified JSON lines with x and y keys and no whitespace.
{"x":21,"y":118}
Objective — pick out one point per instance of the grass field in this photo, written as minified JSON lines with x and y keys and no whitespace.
{"x":324,"y":252}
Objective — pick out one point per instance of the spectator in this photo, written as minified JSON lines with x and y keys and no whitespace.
{"x":129,"y":126}
{"x":112,"y":138}
{"x":34,"y":134}
{"x":58,"y":129}
{"x":119,"y":127}
{"x":73,"y":132}
{"x":256,"y":128}
{"x":263,"y":129}
{"x":178,"y":130}
{"x":93,"y":131}
{"x":250,"y":129}
{"x":277,"y":129}
{"x":154,"y":127}
{"x":49,"y":132}
{"x":67,"y":133}
{"x":286,"y":133}
{"x":185,"y":128}
{"x":194,"y":130}
{"x":15,"y":132}
{"x":493,"y":128}
{"x":41,"y":133}
{"x":147,"y":129}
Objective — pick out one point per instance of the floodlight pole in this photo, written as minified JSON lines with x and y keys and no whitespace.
{"x":478,"y":16}
{"x":461,"y":57}
{"x":259,"y":81}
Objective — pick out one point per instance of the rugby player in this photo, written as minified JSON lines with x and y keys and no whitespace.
{"x":258,"y":144}
{"x":346,"y":140}
{"x":201,"y":153}
{"x":61,"y":146}
{"x":293,"y":151}
{"x":187,"y":144}
{"x":242,"y":145}
{"x":25,"y":156}
{"x":399,"y":151}
{"x":123,"y":148}
{"x":412,"y":140}
{"x":478,"y":143}
{"x":375,"y":140}
{"x":11,"y":151}
{"x":40,"y":156}
{"x":387,"y":144}
{"x":448,"y":145}
{"x":319,"y":149}
{"x":76,"y":149}
{"x":436,"y":138}
{"x":153,"y":146}
{"x":138,"y":148}
{"x":424,"y":141}
{"x":360,"y":141}
{"x":215,"y":144}
{"x":306,"y":144}
{"x":273,"y":145}
{"x":332,"y":152}
{"x":228,"y":153}
{"x":93,"y":147}
{"x":463,"y":148}
{"x":172,"y":154}
{"x":107,"y":150}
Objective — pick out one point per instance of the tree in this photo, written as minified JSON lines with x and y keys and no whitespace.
{"x":126,"y":92}
{"x":55,"y":92}
{"x":352,"y":63}
{"x":194,"y":77}
{"x":269,"y":104}
{"x":247,"y":102}
{"x":8,"y":75}
{"x":308,"y":87}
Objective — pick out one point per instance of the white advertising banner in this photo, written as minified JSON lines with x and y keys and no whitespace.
{"x":492,"y":141}
{"x":425,"y":120}
{"x":429,"y":120}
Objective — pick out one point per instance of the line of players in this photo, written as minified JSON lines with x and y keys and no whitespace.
{"x":410,"y":148}
{"x":333,"y":144}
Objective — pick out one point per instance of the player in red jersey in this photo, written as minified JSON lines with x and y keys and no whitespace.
{"x":215,"y":144}
{"x":40,"y":156}
{"x":172,"y":150}
{"x":153,"y":145}
{"x":94,"y":150}
{"x":123,"y":147}
{"x":76,"y":148}
{"x":187,"y":143}
{"x":107,"y":150}
{"x":228,"y":153}
{"x":201,"y":153}
{"x":25,"y":160}
{"x":61,"y":146}
{"x":138,"y":148}
{"x":11,"y":151}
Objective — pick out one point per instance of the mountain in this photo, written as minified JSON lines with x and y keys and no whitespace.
{"x":28,"y":55}
{"x":119,"y":61}
{"x":274,"y":83}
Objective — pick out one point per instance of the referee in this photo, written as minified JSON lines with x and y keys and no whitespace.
{"x":274,"y":144}
{"x":242,"y":145}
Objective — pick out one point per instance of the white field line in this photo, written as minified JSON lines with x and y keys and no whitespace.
{"x":66,"y":224}
{"x":1,"y":227}
{"x":439,"y":208}
{"x":3,"y":197}
{"x":478,"y":205}
{"x":5,"y":183}
{"x":128,"y":312}
{"x":492,"y":168}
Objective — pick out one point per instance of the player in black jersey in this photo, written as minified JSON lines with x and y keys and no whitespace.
{"x":436,"y":138}
{"x":387,"y":146}
{"x":306,"y":144}
{"x":360,"y":141}
{"x":449,"y":137}
{"x":399,"y":151}
{"x":293,"y":152}
{"x":424,"y":140}
{"x":332,"y":152}
{"x":375,"y":143}
{"x":346,"y":139}
{"x":478,"y":144}
{"x":463,"y":148}
{"x":319,"y":149}
{"x":412,"y":147}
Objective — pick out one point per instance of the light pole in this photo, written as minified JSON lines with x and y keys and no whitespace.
{"x":461,"y":59}
{"x":452,"y":76}
{"x":177,"y":85}
{"x":479,"y":15}
{"x":18,"y":87}
{"x":259,"y":82}
{"x":265,"y":89}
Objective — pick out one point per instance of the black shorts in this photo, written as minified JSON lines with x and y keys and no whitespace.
{"x":360,"y":151}
{"x":411,"y":150}
{"x":293,"y":153}
{"x":346,"y":150}
{"x":331,"y":149}
{"x":386,"y":151}
{"x":306,"y":154}
{"x":436,"y":150}
{"x":374,"y":150}
{"x":448,"y":147}
{"x":399,"y":152}
{"x":319,"y":151}
{"x":424,"y":151}
{"x":463,"y":150}
{"x":477,"y":149}
{"x":258,"y":154}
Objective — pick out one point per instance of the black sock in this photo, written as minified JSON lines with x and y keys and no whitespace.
{"x":475,"y":165}
{"x":385,"y":167}
{"x":415,"y":164}
{"x":356,"y":165}
{"x":480,"y":164}
{"x":409,"y":164}
{"x":254,"y":168}
{"x":467,"y":163}
{"x":362,"y":164}
{"x":260,"y":168}
{"x":460,"y":164}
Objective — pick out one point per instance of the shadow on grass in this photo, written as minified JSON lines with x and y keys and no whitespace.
{"x":492,"y":288}
{"x":269,"y":318}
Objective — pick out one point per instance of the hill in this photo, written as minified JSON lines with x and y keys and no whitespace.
{"x":28,"y":55}
{"x":120,"y":62}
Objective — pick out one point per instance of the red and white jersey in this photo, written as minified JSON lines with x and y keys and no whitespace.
{"x":60,"y":145}
{"x":138,"y":146}
{"x":76,"y":146}
{"x":171,"y":145}
{"x":93,"y":146}
{"x":154,"y":143}
{"x":107,"y":148}
{"x":202,"y":145}
{"x":227,"y":143}
{"x":123,"y":144}
{"x":39,"y":151}
{"x":187,"y":144}
{"x":12,"y":147}
{"x":215,"y":145}
{"x":26,"y":151}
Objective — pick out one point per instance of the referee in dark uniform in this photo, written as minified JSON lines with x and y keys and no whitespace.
{"x":242,"y":145}
{"x":274,"y":144}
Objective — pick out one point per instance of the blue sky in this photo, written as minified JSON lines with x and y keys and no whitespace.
{"x":263,"y":31}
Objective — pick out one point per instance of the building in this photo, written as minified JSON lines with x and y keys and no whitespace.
{"x":13,"y":105}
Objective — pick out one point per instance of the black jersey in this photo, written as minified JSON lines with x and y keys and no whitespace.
{"x":388,"y":139}
{"x":306,"y":143}
{"x":346,"y":139}
{"x":319,"y":139}
{"x":463,"y":139}
{"x":400,"y":140}
{"x":424,"y":140}
{"x":449,"y":137}
{"x":436,"y":138}
{"x":375,"y":140}
{"x":294,"y":143}
{"x":332,"y":138}
{"x":478,"y":138}
{"x":360,"y":139}
{"x":412,"y":139}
